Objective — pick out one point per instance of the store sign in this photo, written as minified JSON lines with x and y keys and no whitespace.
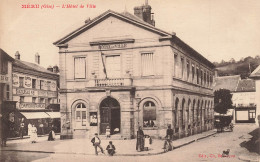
{"x":112,"y":46}
{"x":26,"y":92}
{"x":47,"y":94}
{"x":4,"y":79}
{"x":32,"y":106}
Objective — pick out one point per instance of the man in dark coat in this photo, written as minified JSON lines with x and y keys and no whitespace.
{"x":111,"y":149}
{"x":96,"y":143}
{"x":169,"y":136}
{"x":140,"y":140}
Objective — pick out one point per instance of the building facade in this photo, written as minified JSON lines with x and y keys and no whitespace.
{"x":119,"y":71}
{"x":256,"y":76}
{"x":7,"y":107}
{"x":35,"y":90}
{"x":243,"y":93}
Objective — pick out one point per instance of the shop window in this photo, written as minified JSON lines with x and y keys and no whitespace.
{"x":147,"y":62}
{"x":80,"y":68}
{"x":33,"y":83}
{"x":81,"y":116}
{"x":149,"y":114}
{"x":21,"y":81}
{"x":251,"y":114}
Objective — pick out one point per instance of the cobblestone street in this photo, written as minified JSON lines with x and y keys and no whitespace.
{"x":207,"y":149}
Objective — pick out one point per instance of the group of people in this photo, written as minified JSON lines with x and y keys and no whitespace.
{"x":96,"y":143}
{"x":32,"y":133}
{"x":143,"y":141}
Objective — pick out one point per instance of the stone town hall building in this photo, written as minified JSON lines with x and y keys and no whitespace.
{"x":119,"y":71}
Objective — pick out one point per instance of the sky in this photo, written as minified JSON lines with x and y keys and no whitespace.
{"x":218,"y":29}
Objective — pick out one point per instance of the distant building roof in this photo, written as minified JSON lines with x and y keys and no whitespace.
{"x":256,"y":73}
{"x":246,"y":85}
{"x":31,"y":66}
{"x":226,"y":82}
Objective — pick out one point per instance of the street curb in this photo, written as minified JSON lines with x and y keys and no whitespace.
{"x":247,"y":159}
{"x":148,"y":154}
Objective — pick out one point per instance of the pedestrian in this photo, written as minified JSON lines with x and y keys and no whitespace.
{"x":21,"y":128}
{"x":108,"y":132}
{"x":147,"y":142}
{"x":168,"y":138}
{"x":51,"y":136}
{"x":111,"y":149}
{"x":5,"y":131}
{"x":96,"y":143}
{"x":140,"y":140}
{"x":41,"y":128}
{"x":29,"y":129}
{"x":33,"y":136}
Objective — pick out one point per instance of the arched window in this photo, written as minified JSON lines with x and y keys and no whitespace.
{"x":197,"y":112}
{"x":149,"y":114}
{"x":188,"y":112}
{"x":80,"y":115}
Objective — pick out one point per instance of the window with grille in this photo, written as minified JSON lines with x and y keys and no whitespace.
{"x":149,"y":114}
{"x":7,"y":92}
{"x":80,"y":68}
{"x":147,"y":62}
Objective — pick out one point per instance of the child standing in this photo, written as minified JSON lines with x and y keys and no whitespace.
{"x":108,"y":132}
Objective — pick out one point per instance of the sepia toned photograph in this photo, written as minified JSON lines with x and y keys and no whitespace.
{"x":129,"y":80}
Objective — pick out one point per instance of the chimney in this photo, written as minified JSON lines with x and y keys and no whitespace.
{"x":144,"y":13}
{"x":55,"y":69}
{"x":17,"y":55}
{"x":37,"y":58}
{"x":50,"y":68}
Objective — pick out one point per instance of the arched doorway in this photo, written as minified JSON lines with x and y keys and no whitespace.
{"x":110,"y":116}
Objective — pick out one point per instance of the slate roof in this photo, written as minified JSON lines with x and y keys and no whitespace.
{"x":246,"y":85}
{"x":226,"y":82}
{"x":126,"y":16}
{"x":255,"y":73}
{"x":31,"y":66}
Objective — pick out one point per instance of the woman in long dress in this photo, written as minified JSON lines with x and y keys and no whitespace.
{"x":33,"y":136}
{"x":140,"y":140}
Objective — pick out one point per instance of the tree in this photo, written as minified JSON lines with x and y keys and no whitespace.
{"x":222,"y":101}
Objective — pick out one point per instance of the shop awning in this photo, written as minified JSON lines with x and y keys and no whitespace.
{"x":54,"y":114}
{"x":35,"y":115}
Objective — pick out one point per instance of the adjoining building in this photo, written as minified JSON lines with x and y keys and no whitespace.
{"x":256,"y":76}
{"x":35,"y":90}
{"x":243,"y":97}
{"x":7,"y":106}
{"x":119,"y":71}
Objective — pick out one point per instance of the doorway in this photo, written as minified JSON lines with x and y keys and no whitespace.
{"x":110,"y":116}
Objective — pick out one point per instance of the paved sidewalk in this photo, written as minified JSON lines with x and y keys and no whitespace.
{"x":84,"y":146}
